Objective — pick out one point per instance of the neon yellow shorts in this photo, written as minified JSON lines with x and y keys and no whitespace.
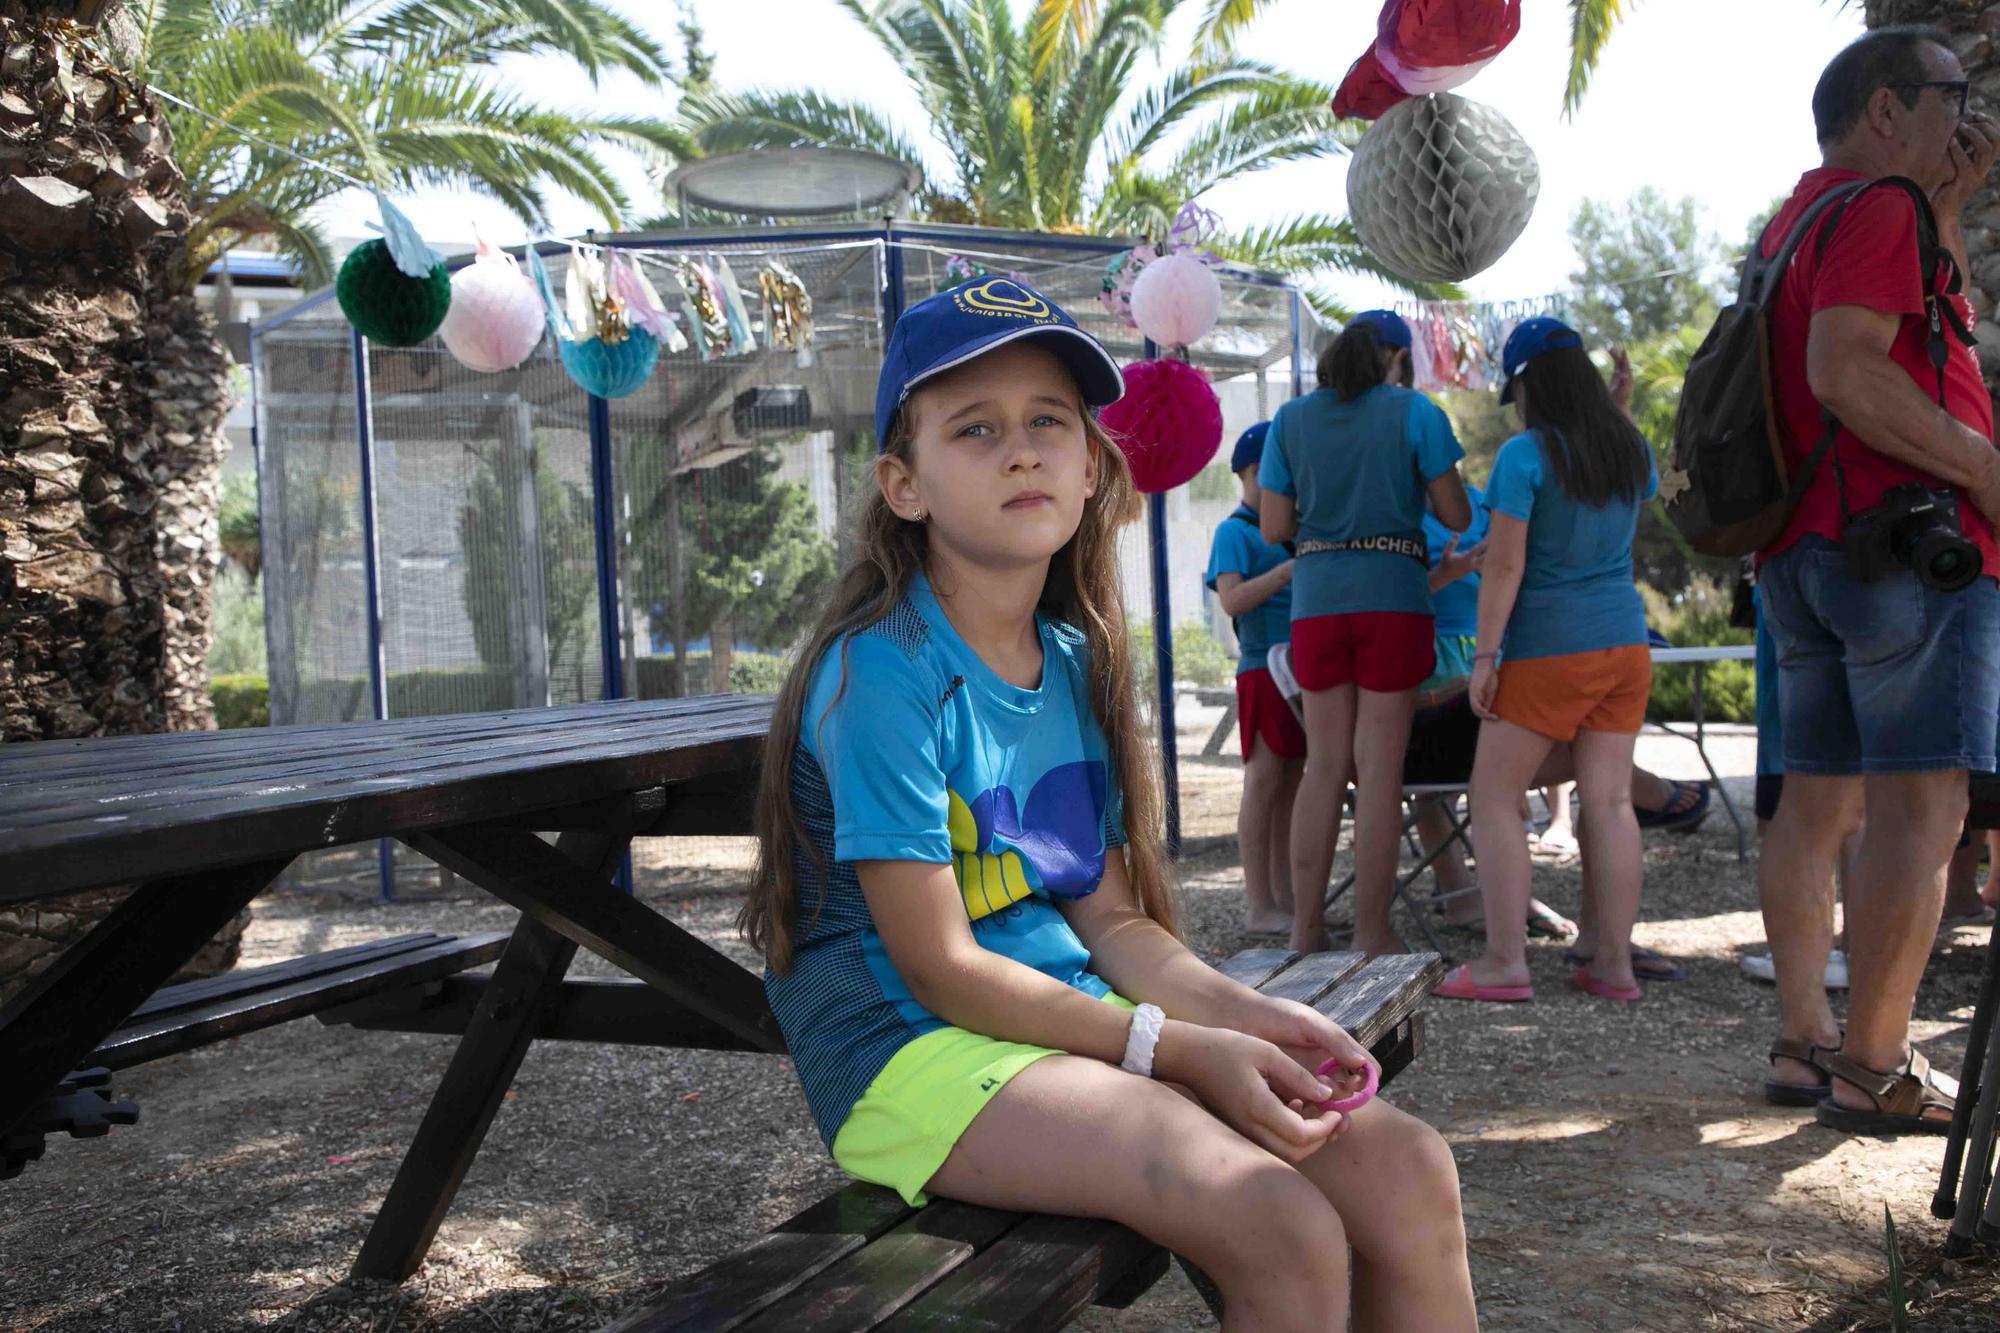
{"x":911,"y":1117}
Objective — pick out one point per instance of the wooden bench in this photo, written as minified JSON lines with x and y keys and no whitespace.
{"x":862,"y":1259}
{"x":1223,"y":697}
{"x":201,"y":1013}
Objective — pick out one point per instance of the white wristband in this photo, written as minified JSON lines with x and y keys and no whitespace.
{"x":1140,"y":1041}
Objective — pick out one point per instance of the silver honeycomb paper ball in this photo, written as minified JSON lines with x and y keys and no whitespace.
{"x":1439,"y":187}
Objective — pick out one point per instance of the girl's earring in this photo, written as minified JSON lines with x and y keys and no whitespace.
{"x":916,"y":516}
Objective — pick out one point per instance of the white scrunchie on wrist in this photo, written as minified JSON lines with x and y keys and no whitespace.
{"x":1147,"y":1020}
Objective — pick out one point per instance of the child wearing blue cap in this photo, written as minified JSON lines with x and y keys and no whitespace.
{"x":959,"y":881}
{"x":1348,"y":470}
{"x":1252,"y":578}
{"x":1557,"y":585}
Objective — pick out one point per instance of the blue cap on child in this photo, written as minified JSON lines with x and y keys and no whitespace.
{"x":1530,"y":338}
{"x":1389,"y":328}
{"x":961,"y":322}
{"x":1249,"y":450}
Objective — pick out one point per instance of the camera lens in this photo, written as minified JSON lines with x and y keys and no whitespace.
{"x":1944,"y":560}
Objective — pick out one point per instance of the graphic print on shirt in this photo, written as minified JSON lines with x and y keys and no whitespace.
{"x":1002,"y":851}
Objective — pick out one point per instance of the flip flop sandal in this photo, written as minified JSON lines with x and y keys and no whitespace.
{"x":1779,"y":1093}
{"x":1684,"y":811}
{"x":1544,"y":922}
{"x":1603,"y":990}
{"x":1900,"y":1098}
{"x":1983,"y":917}
{"x":1460,"y":986}
{"x":1664,"y":968}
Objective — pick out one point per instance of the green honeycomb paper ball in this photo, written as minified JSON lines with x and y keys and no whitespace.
{"x":386,"y":304}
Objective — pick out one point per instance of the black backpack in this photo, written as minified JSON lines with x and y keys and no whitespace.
{"x":1727,"y":490}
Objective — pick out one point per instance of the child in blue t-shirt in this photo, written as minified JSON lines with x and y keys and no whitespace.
{"x":1557,"y":595}
{"x":1347,"y":470}
{"x":964,"y":912}
{"x":1253,"y":578}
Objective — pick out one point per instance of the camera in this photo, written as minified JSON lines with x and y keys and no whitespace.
{"x":1917,"y":528}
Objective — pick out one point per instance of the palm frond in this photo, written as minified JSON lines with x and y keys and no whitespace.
{"x":592,"y":34}
{"x":1221,"y":24}
{"x":1590,"y":25}
{"x":1287,"y":123}
{"x":1316,"y":242}
{"x":735,"y":122}
{"x":1057,"y":30}
{"x":1158,"y":109}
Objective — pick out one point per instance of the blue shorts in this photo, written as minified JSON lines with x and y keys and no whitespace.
{"x":1883,"y":677}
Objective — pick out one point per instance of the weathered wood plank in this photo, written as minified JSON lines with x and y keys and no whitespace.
{"x":244,"y":980}
{"x":1309,"y":980}
{"x":619,"y":1011}
{"x":164,"y":1034}
{"x":1254,"y":967}
{"x":730,"y":1291}
{"x":1040,"y":1275}
{"x":868,"y":1286}
{"x":1383,"y":993}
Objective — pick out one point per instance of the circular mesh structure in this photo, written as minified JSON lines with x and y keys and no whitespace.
{"x":1440,"y":187}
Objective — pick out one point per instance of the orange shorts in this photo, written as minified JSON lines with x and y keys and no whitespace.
{"x":1559,"y":696}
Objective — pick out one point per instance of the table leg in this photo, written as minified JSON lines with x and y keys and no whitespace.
{"x":52,"y":1027}
{"x":1220,"y":736}
{"x":528,"y":976}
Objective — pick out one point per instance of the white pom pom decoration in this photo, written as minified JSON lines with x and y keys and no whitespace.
{"x":1176,"y":300}
{"x":1439,"y":188}
{"x":496,"y":315}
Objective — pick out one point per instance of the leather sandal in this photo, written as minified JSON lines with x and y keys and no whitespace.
{"x":1779,"y":1093}
{"x":1900,"y":1098}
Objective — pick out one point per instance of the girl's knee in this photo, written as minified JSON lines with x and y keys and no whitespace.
{"x":1275,"y":1218}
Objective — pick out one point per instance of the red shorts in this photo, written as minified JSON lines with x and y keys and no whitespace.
{"x":1262,"y":711}
{"x":1383,"y":651}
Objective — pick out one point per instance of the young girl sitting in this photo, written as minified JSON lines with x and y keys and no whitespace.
{"x":959,"y":885}
{"x":1253,"y":580}
{"x":1557,"y":583}
{"x":1347,"y":469}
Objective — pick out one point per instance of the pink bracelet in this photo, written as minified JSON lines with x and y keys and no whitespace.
{"x":1359,"y":1099}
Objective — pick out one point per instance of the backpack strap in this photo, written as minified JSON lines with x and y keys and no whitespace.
{"x":1760,"y":276}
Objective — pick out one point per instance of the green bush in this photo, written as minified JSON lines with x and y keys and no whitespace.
{"x":1198,"y":657}
{"x":749,"y":673}
{"x":240,"y":700}
{"x":1699,"y":618}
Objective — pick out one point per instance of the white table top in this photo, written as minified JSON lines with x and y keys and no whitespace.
{"x":1720,"y":652}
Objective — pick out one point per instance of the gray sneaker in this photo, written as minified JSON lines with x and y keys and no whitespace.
{"x":1758,"y":967}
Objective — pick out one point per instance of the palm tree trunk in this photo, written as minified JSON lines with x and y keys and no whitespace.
{"x":1970,"y":28}
{"x":113,"y":388}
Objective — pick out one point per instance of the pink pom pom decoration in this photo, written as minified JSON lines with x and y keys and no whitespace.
{"x":1168,"y":424}
{"x":1176,"y":300}
{"x":496,"y":315}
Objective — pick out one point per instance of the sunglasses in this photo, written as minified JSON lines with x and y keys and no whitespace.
{"x":1959,"y":88}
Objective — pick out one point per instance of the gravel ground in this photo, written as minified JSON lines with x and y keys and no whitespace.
{"x":1618,"y":1171}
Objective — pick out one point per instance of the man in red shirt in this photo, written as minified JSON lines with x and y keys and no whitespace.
{"x":1889,"y":686}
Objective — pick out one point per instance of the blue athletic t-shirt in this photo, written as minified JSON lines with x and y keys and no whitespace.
{"x":1456,"y":605}
{"x":1577,"y":593}
{"x":929,"y":755}
{"x":1239,"y":548}
{"x":1358,"y":469}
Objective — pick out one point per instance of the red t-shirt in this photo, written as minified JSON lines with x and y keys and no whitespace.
{"x":1870,"y":261}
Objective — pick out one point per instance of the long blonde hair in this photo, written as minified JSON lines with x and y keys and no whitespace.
{"x":1082,"y":590}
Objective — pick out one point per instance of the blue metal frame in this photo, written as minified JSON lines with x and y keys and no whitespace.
{"x":1163,"y":655}
{"x":378,"y":686}
{"x":1298,"y":348}
{"x":604,"y":504}
{"x":312,"y":302}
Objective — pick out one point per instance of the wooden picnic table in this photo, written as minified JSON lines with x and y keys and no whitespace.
{"x":201,"y":822}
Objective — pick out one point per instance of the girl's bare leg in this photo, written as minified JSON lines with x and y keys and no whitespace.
{"x":1257,"y":832}
{"x":1381,"y":735}
{"x":1316,"y":812}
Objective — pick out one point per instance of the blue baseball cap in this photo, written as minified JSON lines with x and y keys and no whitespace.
{"x":1249,"y":447}
{"x":1530,"y":338}
{"x":959,"y":323}
{"x":1389,"y":328}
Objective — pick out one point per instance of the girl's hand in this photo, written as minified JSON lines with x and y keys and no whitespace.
{"x":1485,"y":684}
{"x":1286,"y":570}
{"x":1621,"y":380}
{"x":1311,"y":1038}
{"x":1455,"y":564}
{"x":1255,"y":1088}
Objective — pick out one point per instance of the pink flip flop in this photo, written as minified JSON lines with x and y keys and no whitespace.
{"x":1355,"y":1101}
{"x":1460,"y":986}
{"x":1583,"y":981}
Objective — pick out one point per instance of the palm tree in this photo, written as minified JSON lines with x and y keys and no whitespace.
{"x":390,"y":94}
{"x":114,"y":383}
{"x":1049,"y":124}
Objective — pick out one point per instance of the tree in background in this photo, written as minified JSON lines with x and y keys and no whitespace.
{"x":755,"y":566}
{"x":499,"y":603}
{"x":1048,"y":124}
{"x":1647,"y":268}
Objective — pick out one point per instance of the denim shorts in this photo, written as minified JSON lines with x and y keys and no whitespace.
{"x":1884,"y":677}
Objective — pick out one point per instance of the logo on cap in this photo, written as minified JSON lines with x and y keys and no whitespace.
{"x":1003,"y":296}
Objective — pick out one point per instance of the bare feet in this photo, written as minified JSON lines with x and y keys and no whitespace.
{"x":1315,"y":942}
{"x":1267,"y":923}
{"x":1486,"y":972}
{"x":1376,"y":948}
